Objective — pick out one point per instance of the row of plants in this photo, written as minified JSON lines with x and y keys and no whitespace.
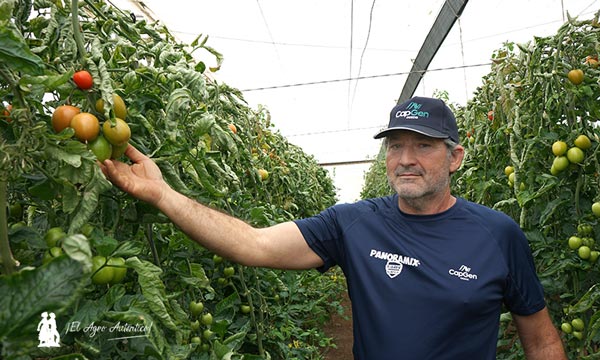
{"x":79,"y":81}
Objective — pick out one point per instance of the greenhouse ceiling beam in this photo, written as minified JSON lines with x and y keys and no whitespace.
{"x":451,"y":10}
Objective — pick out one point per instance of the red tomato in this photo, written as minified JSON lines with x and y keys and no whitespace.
{"x":83,"y":80}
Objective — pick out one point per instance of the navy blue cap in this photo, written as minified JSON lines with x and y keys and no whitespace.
{"x":427,"y":116}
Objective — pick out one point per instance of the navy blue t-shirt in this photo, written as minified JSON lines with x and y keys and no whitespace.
{"x":426,"y":286}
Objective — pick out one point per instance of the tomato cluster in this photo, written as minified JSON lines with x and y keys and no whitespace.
{"x":583,"y":242}
{"x":565,"y":156}
{"x":108,"y":141}
{"x":574,"y":328}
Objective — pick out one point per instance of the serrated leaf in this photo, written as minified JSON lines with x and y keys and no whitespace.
{"x":153,"y":289}
{"x":28,"y":293}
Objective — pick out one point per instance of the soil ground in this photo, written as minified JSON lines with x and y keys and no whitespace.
{"x":340,"y":329}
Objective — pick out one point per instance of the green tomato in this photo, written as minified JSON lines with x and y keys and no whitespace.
{"x":575,"y":242}
{"x":117,"y":264}
{"x":101,"y":273}
{"x":584,"y":252}
{"x":207,"y":334}
{"x":594,"y":256}
{"x":596,"y":208}
{"x":566,"y":328}
{"x":196,"y":340}
{"x":217,"y":259}
{"x":196,"y":307}
{"x":53,"y":236}
{"x":578,"y":324}
{"x":578,"y":335}
{"x":229,"y":271}
{"x":207,"y":319}
{"x":245,"y":309}
{"x":195,"y":325}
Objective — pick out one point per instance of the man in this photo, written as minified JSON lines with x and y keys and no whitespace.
{"x":427,"y":272}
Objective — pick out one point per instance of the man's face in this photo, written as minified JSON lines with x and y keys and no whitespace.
{"x":419,"y":166}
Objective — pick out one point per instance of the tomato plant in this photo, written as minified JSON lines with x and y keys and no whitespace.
{"x":122,"y":260}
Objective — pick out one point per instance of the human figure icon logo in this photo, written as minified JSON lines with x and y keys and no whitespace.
{"x":47,"y":333}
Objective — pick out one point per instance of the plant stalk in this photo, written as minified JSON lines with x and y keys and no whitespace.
{"x":8,"y":262}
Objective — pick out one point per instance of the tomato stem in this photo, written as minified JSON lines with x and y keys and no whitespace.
{"x":6,"y":258}
{"x":77,"y":32}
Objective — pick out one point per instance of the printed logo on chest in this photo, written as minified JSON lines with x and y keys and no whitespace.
{"x":395,"y":262}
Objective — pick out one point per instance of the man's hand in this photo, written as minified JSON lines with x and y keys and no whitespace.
{"x":142,"y":179}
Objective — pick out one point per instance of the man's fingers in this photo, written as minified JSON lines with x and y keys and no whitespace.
{"x":134,"y":154}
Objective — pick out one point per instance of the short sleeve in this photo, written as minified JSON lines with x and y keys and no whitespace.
{"x":323,"y":235}
{"x":524,"y":293}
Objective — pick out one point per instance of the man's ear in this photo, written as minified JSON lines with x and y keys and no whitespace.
{"x":458,"y":153}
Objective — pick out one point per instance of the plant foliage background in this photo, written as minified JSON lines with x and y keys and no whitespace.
{"x":182,"y":119}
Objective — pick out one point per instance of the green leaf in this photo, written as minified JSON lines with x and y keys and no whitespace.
{"x":14,"y":52}
{"x":30,"y":292}
{"x":153,"y":289}
{"x":50,"y":82}
{"x":586,"y":301}
{"x":78,"y":248}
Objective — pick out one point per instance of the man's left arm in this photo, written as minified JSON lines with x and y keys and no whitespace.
{"x":539,"y":337}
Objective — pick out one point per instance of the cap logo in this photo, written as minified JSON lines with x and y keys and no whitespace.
{"x":412,"y":112}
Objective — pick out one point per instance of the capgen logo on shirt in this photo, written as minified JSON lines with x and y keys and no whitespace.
{"x":413,"y":112}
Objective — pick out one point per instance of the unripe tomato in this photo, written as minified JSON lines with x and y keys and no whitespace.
{"x":575,"y":155}
{"x":566,"y":328}
{"x":118,"y":134}
{"x":559,"y":148}
{"x":575,"y":76}
{"x":575,"y":242}
{"x":119,"y":107}
{"x":245,"y":309}
{"x":264,"y":174}
{"x":596,"y":208}
{"x":229,"y":271}
{"x":207,"y":319}
{"x":119,"y":270}
{"x":53,"y":236}
{"x":560,"y":163}
{"x":62,"y":116}
{"x":578,"y":324}
{"x":101,"y":148}
{"x":196,"y":340}
{"x":83,"y":80}
{"x":509,"y":170}
{"x":118,"y":150}
{"x":101,"y":274}
{"x":578,"y":335}
{"x":594,"y":256}
{"x":583,"y":142}
{"x":207,"y":334}
{"x":511,"y":178}
{"x":584,"y":252}
{"x":196,"y":308}
{"x":217,"y":259}
{"x":86,"y":126}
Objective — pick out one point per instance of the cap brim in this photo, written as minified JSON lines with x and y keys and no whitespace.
{"x":419,"y":129}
